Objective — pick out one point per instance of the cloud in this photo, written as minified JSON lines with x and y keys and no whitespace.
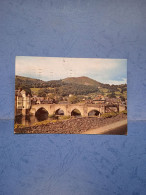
{"x":124,"y":81}
{"x":48,"y":68}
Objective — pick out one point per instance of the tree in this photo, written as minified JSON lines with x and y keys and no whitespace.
{"x":122,"y":98}
{"x":26,"y":89}
{"x":112,"y":95}
{"x":42,"y":93}
{"x":73,"y":99}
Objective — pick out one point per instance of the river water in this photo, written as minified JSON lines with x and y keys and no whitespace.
{"x":30,"y":119}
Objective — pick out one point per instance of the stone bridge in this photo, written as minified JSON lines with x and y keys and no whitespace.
{"x":84,"y":109}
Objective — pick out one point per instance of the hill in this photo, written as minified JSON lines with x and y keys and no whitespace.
{"x":82,"y":81}
{"x":72,"y":85}
{"x":55,"y":86}
{"x":26,"y":81}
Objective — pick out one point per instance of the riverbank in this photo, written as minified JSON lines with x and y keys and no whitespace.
{"x":72,"y":126}
{"x":119,"y":128}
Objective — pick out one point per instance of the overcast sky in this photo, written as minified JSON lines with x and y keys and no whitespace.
{"x":111,"y":71}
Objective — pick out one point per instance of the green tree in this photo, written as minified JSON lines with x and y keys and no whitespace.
{"x":26,"y":89}
{"x":122,"y":98}
{"x":73,"y":99}
{"x":42,"y":93}
{"x":112,"y":95}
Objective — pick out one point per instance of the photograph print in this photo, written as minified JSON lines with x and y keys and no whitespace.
{"x":58,"y":95}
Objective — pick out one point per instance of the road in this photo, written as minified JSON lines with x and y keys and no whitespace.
{"x":117,"y":128}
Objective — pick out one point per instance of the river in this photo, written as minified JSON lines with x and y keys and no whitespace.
{"x":30,"y":119}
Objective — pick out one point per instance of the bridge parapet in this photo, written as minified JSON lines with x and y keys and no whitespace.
{"x":68,"y":108}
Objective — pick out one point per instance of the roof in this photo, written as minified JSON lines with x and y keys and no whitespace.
{"x":99,"y":98}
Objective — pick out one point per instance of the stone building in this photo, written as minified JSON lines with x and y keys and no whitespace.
{"x":99,"y":99}
{"x":22,"y":102}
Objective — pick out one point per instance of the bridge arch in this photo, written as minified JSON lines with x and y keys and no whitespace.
{"x":59,"y":111}
{"x":41,"y":114}
{"x":76,"y":112}
{"x":41,"y":108}
{"x":94,"y":112}
{"x":67,"y":109}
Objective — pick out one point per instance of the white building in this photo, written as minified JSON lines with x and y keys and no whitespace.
{"x":22,"y":101}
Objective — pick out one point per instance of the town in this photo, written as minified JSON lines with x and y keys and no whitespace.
{"x":24,"y":103}
{"x":38,"y":103}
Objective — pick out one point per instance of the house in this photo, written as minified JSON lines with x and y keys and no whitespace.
{"x":22,"y":102}
{"x":112,"y":100}
{"x":99,"y":99}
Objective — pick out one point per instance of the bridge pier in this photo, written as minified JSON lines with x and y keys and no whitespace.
{"x":102,"y":110}
{"x":32,"y":111}
{"x":23,"y":112}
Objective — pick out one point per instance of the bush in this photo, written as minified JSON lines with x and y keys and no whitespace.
{"x":108,"y":115}
{"x":64,"y":117}
{"x":123,"y":112}
{"x":41,"y":123}
{"x":53,"y":116}
{"x":18,"y":126}
{"x":122,"y":98}
{"x":54,"y":121}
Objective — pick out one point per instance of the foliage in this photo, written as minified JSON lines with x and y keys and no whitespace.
{"x":112,"y":95}
{"x":34,"y":91}
{"x":45,"y":122}
{"x":42,"y":92}
{"x":123,"y":112}
{"x":122,"y":98}
{"x":16,"y":125}
{"x":76,"y":89}
{"x":74,"y":85}
{"x":53,"y":116}
{"x":41,"y":123}
{"x":109,"y":115}
{"x":64,"y":117}
{"x":123,"y":89}
{"x":60,"y":87}
{"x":82,"y":81}
{"x":73,"y":99}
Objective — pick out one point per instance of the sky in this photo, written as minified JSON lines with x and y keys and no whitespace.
{"x":108,"y":71}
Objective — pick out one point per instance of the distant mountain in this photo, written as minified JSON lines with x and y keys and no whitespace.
{"x":29,"y":82}
{"x":71,"y":85}
{"x":28,"y":79}
{"x":82,"y":81}
{"x":60,"y":86}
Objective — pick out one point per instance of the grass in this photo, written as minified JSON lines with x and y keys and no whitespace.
{"x":109,"y":115}
{"x":112,"y":114}
{"x":18,"y":126}
{"x":104,"y":90}
{"x":45,"y":122}
{"x":123,"y":112}
{"x":118,"y":93}
{"x":52,"y":115}
{"x":35,"y":90}
{"x":64,"y":117}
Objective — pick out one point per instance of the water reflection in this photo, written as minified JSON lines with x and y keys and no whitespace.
{"x":30,"y":119}
{"x":42,"y":115}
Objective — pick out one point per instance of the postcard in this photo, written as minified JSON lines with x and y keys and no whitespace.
{"x":59,"y":95}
